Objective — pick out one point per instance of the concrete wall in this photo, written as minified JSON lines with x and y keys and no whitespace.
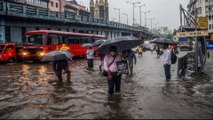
{"x":16,"y":34}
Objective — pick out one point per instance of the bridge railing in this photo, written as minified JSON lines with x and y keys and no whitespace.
{"x":23,"y":10}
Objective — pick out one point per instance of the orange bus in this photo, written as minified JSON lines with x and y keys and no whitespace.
{"x":39,"y":42}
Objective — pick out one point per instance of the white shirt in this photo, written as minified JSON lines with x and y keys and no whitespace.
{"x":90,"y":54}
{"x":167,"y":57}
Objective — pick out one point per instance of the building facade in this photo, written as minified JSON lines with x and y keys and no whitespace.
{"x":36,"y":3}
{"x":202,"y":8}
{"x":75,"y":8}
{"x":99,"y":9}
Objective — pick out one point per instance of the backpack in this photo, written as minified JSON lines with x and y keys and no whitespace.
{"x":173,"y":58}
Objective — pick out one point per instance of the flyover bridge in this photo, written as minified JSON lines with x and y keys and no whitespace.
{"x":16,"y":19}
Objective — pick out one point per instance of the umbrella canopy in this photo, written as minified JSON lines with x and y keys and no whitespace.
{"x":98,"y":42}
{"x":163,"y":41}
{"x":122,"y":43}
{"x":87,"y":45}
{"x":56,"y":56}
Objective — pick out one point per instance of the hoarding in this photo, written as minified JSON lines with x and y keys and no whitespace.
{"x":192,"y":34}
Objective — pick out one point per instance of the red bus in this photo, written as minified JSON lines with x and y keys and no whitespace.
{"x":39,"y":42}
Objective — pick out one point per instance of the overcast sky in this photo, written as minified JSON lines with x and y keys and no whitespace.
{"x":165,"y":12}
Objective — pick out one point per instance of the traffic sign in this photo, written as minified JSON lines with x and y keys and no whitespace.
{"x":192,"y":34}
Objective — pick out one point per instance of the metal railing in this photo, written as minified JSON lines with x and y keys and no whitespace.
{"x":27,"y":11}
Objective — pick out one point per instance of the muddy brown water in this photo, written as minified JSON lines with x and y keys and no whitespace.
{"x":25,"y":92}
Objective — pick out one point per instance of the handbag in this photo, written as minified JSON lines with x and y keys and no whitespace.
{"x":105,"y":72}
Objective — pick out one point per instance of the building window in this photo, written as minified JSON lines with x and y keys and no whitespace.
{"x":56,"y":5}
{"x":210,"y":27}
{"x":199,"y":10}
{"x":52,"y":4}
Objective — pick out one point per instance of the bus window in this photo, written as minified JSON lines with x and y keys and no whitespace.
{"x":35,"y":39}
{"x":55,"y":39}
{"x":60,"y":40}
{"x":8,"y":48}
{"x":65,"y":39}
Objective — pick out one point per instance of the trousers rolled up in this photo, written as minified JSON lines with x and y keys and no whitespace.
{"x":90,"y":63}
{"x":115,"y":83}
{"x":167,"y":68}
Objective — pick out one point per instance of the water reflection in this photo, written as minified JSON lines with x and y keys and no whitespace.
{"x":27,"y":93}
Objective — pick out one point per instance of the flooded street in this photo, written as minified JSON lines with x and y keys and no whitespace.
{"x":27,"y":93}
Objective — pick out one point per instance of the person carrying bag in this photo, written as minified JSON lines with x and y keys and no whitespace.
{"x":105,"y":72}
{"x":110,"y":67}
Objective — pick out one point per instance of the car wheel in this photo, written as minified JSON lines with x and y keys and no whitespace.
{"x":12,"y":60}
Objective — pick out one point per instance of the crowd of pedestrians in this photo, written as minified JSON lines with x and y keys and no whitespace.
{"x":108,"y":63}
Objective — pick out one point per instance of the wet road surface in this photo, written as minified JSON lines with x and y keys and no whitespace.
{"x":25,"y":92}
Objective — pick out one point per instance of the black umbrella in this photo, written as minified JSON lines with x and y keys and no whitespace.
{"x":87,"y":45}
{"x":56,"y":56}
{"x":122,"y":43}
{"x":163,"y":41}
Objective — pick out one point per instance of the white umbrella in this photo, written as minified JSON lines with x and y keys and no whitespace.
{"x":56,"y":56}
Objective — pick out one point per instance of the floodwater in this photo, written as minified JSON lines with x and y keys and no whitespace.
{"x":25,"y":92}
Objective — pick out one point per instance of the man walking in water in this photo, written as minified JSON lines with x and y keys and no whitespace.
{"x":59,"y":66}
{"x":167,"y":61}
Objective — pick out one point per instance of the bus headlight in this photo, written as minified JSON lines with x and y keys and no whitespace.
{"x":0,"y":56}
{"x":24,"y":53}
{"x":42,"y":54}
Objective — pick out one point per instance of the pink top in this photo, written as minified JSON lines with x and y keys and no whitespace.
{"x":108,"y":59}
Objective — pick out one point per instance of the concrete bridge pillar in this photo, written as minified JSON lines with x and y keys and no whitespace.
{"x":99,"y":32}
{"x":90,"y":32}
{"x":104,"y":33}
{"x":119,"y":34}
{"x":114,"y":34}
{"x":2,"y":31}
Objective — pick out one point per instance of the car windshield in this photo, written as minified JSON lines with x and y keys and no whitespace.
{"x":1,"y":47}
{"x":36,"y":39}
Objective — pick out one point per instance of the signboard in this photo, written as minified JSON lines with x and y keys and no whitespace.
{"x":211,"y":37}
{"x":192,"y":34}
{"x":122,"y":67}
{"x":203,"y":22}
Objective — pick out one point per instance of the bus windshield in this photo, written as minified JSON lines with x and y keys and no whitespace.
{"x":1,"y":47}
{"x":35,"y":39}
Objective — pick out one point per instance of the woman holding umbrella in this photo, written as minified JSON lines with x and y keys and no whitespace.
{"x":114,"y":78}
{"x":112,"y":47}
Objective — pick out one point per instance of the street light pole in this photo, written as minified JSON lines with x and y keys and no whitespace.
{"x":145,"y":16}
{"x":151,"y":19}
{"x":119,"y":14}
{"x":133,"y":3}
{"x":140,"y":13}
{"x":126,"y":16}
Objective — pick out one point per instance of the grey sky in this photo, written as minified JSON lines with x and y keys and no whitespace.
{"x":165,"y":12}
